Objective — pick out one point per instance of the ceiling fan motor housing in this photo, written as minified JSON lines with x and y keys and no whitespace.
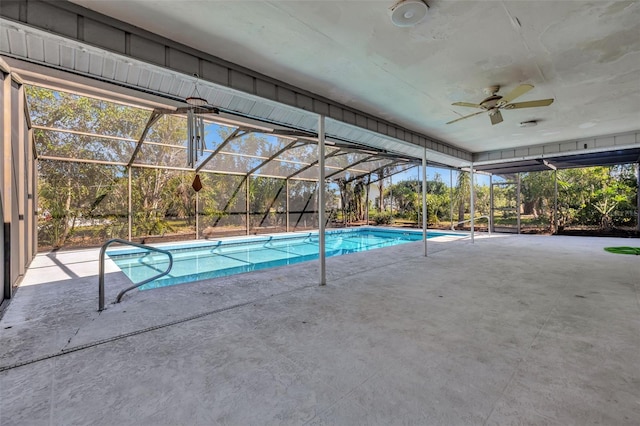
{"x":491,"y":102}
{"x":491,"y":90}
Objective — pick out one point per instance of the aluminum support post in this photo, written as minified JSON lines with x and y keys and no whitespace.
{"x":555,"y":202}
{"x":197,"y":218}
{"x":451,"y":197}
{"x":424,"y":200}
{"x":130,"y":203}
{"x":472,"y":206}
{"x":518,"y":200}
{"x":366,"y":210}
{"x":287,"y":204}
{"x":490,"y":204}
{"x":247,"y":203}
{"x":321,"y":201}
{"x":638,"y":197}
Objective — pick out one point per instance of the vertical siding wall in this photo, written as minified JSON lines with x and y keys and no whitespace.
{"x":17,"y":184}
{"x":3,"y":77}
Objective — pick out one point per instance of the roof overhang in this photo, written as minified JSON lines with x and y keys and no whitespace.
{"x":603,"y":158}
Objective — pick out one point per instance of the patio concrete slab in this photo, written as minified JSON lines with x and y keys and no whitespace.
{"x":508,"y":330}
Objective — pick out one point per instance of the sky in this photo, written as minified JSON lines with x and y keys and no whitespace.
{"x":416,"y":173}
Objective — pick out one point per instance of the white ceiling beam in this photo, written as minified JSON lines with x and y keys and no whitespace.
{"x":620,"y":141}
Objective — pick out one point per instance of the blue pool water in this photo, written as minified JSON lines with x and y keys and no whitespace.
{"x":212,"y":259}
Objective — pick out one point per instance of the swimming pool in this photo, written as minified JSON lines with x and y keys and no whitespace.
{"x":211,"y":259}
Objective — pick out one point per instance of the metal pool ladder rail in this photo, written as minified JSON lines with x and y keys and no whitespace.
{"x":453,"y":225}
{"x":103,"y":250}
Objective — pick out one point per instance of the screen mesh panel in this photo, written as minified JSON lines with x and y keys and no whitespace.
{"x":83,"y":147}
{"x":81,"y":204}
{"x":67,"y":111}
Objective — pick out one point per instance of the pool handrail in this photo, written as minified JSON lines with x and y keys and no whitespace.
{"x":103,"y":250}
{"x":453,"y":225}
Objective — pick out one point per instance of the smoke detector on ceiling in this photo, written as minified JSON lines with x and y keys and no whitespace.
{"x":407,"y":13}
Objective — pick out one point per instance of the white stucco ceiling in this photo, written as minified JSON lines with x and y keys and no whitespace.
{"x":585,"y":55}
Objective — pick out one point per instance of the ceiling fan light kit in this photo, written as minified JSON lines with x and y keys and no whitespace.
{"x":494,"y":103}
{"x":407,"y":13}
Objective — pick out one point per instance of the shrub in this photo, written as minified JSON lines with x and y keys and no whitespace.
{"x":382,"y":218}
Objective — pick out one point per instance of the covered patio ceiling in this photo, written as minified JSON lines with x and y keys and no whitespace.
{"x":585,"y":55}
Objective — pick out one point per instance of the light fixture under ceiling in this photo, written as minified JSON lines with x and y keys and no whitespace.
{"x":407,"y":13}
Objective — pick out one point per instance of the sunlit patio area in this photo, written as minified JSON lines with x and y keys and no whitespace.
{"x":475,"y":333}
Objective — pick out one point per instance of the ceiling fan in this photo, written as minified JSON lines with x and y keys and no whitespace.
{"x":494,"y":103}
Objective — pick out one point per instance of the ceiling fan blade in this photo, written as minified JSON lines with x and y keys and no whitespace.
{"x":515,"y":93}
{"x":466,"y":116}
{"x":530,"y":104}
{"x":496,"y":117}
{"x":466,"y":104}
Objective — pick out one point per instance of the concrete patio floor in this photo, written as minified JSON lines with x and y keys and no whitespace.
{"x":508,"y":330}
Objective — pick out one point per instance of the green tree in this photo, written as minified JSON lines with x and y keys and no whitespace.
{"x":462,"y":193}
{"x":407,"y":198}
{"x":588,"y":196}
{"x":87,"y":194}
{"x":537,"y":192}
